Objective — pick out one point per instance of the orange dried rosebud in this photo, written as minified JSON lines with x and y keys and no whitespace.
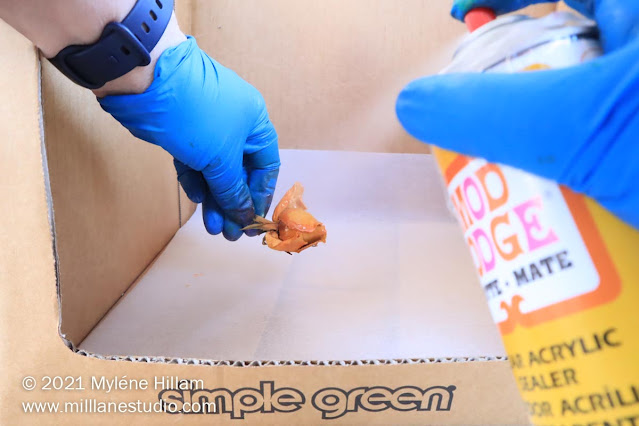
{"x":293,"y":229}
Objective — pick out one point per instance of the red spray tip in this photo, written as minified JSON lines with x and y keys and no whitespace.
{"x":479,"y":17}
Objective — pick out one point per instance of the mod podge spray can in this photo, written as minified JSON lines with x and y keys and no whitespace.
{"x":560,"y":273}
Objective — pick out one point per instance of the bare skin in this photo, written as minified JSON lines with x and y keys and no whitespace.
{"x":53,"y":25}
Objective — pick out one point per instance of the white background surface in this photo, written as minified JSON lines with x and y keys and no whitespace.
{"x":394,"y":280}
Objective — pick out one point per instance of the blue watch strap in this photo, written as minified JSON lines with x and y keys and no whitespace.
{"x":121,"y":47}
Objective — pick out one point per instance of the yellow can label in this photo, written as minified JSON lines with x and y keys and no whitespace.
{"x":561,"y":276}
{"x":560,"y":273}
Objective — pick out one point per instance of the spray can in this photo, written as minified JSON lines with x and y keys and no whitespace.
{"x":560,"y":273}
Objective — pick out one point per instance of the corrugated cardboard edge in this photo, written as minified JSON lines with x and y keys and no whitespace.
{"x":184,"y":10}
{"x":275,"y":363}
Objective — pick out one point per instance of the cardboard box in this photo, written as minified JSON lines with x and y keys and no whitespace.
{"x":100,"y":287}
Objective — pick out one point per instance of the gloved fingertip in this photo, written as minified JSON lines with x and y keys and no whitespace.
{"x":263,"y":205}
{"x":212,"y":216}
{"x":197,"y":198}
{"x":408,"y":109}
{"x":235,"y":202}
{"x":213,"y":224}
{"x":194,"y":194}
{"x":458,"y":12}
{"x":231,"y":230}
{"x":262,"y":186}
{"x":192,"y":182}
{"x":430,"y":107}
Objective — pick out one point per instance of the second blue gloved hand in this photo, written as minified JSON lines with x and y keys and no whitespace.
{"x":578,"y":126}
{"x":216,"y":127}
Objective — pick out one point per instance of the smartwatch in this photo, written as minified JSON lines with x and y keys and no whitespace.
{"x":121,"y":47}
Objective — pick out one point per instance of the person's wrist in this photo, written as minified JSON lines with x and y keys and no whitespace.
{"x":140,"y":78}
{"x":52,"y":26}
{"x":82,"y":23}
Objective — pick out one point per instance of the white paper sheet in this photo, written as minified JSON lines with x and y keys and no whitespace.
{"x":394,"y":280}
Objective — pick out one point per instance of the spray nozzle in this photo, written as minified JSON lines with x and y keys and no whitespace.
{"x":479,"y":17}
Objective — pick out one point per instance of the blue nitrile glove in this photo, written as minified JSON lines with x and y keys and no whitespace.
{"x":578,"y":126}
{"x":216,"y":127}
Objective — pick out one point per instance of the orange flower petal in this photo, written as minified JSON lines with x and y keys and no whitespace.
{"x":318,"y":235}
{"x":299,"y":219}
{"x":286,"y":233}
{"x":293,"y":245}
{"x":292,"y":199}
{"x":297,"y":229}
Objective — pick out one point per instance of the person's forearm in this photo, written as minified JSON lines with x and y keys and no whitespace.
{"x":53,"y":25}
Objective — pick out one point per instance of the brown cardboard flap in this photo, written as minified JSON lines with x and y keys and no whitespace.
{"x":28,"y":303}
{"x":115,"y":200}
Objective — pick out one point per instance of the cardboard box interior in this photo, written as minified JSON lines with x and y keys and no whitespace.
{"x":116,"y":201}
{"x":394,"y":267}
{"x":330,"y":72}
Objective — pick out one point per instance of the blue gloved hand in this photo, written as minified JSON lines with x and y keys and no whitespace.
{"x":218,"y":130}
{"x":578,"y":126}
